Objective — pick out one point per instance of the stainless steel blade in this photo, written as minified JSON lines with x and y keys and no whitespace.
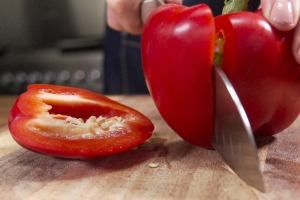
{"x":233,"y":137}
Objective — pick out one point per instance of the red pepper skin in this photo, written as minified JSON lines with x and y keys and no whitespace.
{"x":30,"y":106}
{"x":177,"y":51}
{"x":178,"y":66}
{"x":258,"y":60}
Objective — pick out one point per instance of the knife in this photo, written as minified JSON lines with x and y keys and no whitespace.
{"x":233,"y":138}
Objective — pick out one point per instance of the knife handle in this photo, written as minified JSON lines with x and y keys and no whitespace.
{"x":148,"y":6}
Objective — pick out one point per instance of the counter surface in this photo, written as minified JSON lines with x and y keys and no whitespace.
{"x":184,"y":171}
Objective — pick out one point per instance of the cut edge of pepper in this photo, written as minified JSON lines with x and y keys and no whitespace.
{"x":219,"y":49}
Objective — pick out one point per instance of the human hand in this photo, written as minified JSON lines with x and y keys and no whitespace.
{"x":284,"y":15}
{"x":124,"y":15}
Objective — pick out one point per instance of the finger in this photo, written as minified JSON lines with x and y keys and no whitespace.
{"x":283,"y":14}
{"x":124,"y":15}
{"x":296,"y":43}
{"x":113,"y":20}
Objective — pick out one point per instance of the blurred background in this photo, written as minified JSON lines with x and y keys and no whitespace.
{"x":67,"y":42}
{"x":51,"y":41}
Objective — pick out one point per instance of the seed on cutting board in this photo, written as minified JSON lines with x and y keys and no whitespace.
{"x":153,"y":165}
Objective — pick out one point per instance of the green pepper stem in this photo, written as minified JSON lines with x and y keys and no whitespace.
{"x":231,"y":6}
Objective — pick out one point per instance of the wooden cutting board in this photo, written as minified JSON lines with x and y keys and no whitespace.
{"x":182,"y":171}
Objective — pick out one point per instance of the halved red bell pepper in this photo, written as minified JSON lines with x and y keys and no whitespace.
{"x":75,"y":123}
{"x":259,"y":62}
{"x":178,"y":51}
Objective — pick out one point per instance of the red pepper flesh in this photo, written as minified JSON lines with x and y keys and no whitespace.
{"x":178,"y":50}
{"x":75,"y":123}
{"x":259,"y":62}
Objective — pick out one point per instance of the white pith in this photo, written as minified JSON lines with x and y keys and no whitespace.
{"x":66,"y":126}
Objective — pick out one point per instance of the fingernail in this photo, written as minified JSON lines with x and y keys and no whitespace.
{"x":282,"y":12}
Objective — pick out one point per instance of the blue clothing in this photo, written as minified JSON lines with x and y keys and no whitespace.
{"x":123,"y":72}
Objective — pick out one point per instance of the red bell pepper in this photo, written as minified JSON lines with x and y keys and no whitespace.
{"x":75,"y":123}
{"x":259,"y":62}
{"x":179,"y":46}
{"x":177,"y":52}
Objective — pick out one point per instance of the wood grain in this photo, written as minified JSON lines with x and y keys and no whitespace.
{"x":184,"y":171}
{"x":6,"y":102}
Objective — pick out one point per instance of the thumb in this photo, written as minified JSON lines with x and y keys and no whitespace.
{"x":296,"y":43}
{"x":283,"y":14}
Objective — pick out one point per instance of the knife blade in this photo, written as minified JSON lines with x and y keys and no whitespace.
{"x":233,"y":138}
